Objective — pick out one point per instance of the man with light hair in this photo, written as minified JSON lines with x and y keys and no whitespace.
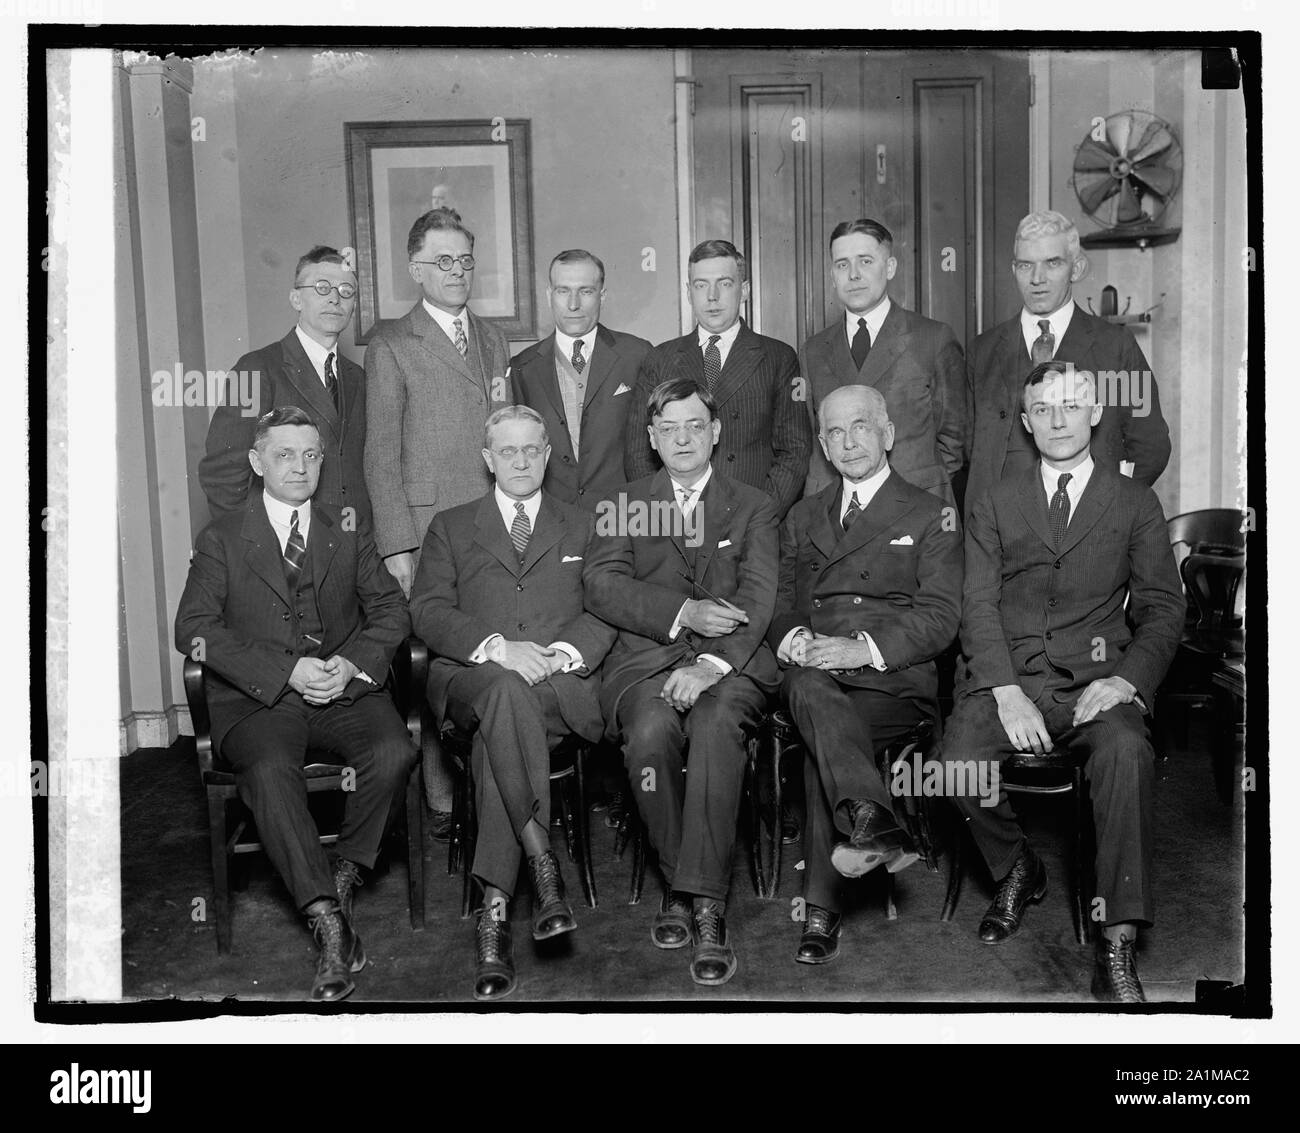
{"x":1131,"y":436}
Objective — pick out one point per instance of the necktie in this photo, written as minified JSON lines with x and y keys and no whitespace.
{"x":687,"y":493}
{"x":294,"y":553}
{"x":1058,"y":511}
{"x":462,"y":343}
{"x":851,"y":513}
{"x":1044,"y":345}
{"x":712,"y":362}
{"x":861,"y":344}
{"x":520,"y":529}
{"x":331,"y":379}
{"x":579,"y":362}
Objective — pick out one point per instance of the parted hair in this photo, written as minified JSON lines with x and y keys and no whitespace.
{"x":678,"y":389}
{"x":513,"y":413}
{"x":321,"y":254}
{"x":867,"y":227}
{"x":280,"y":415}
{"x":432,"y":221}
{"x":719,"y":249}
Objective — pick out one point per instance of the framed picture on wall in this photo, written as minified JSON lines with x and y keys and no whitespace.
{"x":397,"y":171}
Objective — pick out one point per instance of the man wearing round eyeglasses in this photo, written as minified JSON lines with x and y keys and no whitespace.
{"x":684,"y":565}
{"x":307,"y":369}
{"x":869,"y":596}
{"x":499,"y":598}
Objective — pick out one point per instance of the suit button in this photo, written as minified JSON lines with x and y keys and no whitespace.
{"x":857,"y":601}
{"x":522,"y":627}
{"x":1003,"y":414}
{"x":566,"y":460}
{"x":735,"y":413}
{"x":817,"y":603}
{"x":301,"y":614}
{"x":1049,"y":635}
{"x":284,"y":617}
{"x":865,"y":574}
{"x":1057,"y":564}
{"x":582,"y":491}
{"x":255,"y":690}
{"x":289,"y":652}
{"x":815,"y":566}
{"x":731,"y":456}
{"x":518,"y":587}
{"x":1051,"y":602}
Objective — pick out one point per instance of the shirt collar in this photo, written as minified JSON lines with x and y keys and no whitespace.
{"x":564,"y":343}
{"x":728,"y":337}
{"x":1060,"y":320}
{"x":506,"y":505}
{"x":1079,"y":477}
{"x":277,"y":511}
{"x":443,"y":319}
{"x":316,"y":353}
{"x":865,"y":489}
{"x":697,"y":487}
{"x":875,"y":320}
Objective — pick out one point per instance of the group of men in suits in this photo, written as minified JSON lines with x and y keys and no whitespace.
{"x":546,"y":620}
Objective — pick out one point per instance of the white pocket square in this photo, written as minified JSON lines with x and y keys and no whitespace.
{"x":905,"y":541}
{"x":571,"y":559}
{"x":622,"y":389}
{"x":724,"y":543}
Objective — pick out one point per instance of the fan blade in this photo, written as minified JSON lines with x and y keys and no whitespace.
{"x":1156,"y":138}
{"x":1093,"y":157}
{"x":1158,"y":180}
{"x":1130,"y":207}
{"x":1093,"y":196}
{"x":1118,"y":128}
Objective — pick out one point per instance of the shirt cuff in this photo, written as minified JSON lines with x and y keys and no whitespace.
{"x":721,"y":664}
{"x":677,"y":624}
{"x":783,"y":651}
{"x":365,"y":677}
{"x":481,"y":653}
{"x":575,"y":661}
{"x":877,"y":661}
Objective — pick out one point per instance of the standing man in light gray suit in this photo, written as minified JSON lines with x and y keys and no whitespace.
{"x":432,"y":378}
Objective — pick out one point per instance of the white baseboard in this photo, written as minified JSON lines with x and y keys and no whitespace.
{"x":153,"y":729}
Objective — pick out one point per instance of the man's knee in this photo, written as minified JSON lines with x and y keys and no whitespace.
{"x":649,"y":733}
{"x":502,"y":690}
{"x":806,"y":688}
{"x":1118,"y":749}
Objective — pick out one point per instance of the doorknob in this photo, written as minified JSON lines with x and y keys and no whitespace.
{"x":880,"y":165}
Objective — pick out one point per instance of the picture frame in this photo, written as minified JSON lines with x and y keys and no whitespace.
{"x":396,"y":171}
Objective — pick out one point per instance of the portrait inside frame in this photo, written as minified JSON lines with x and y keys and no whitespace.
{"x":397,"y":171}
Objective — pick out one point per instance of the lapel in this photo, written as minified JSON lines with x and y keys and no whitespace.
{"x":604,"y":355}
{"x":891,"y":342}
{"x":889,"y":502}
{"x":661,"y":488}
{"x":490,"y":533}
{"x":546,"y":533}
{"x":690,"y":357}
{"x":739,"y":365}
{"x":1016,"y":363}
{"x":841,"y":359}
{"x":263,"y":555}
{"x":1076,"y":344}
{"x":820,"y":528}
{"x":541,"y":374}
{"x":438,"y":344}
{"x":322,"y":543}
{"x":718,"y":502}
{"x":310,"y":390}
{"x":1033,"y":504}
{"x":1097,"y":497}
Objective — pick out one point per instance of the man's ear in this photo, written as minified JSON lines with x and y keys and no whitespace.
{"x":487,"y":459}
{"x":255,"y":459}
{"x":1096,"y":415}
{"x":1080,"y":269}
{"x":890,"y":267}
{"x":295,"y":300}
{"x":1024,"y":420}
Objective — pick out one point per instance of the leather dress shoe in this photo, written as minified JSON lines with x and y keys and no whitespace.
{"x":714,"y":960}
{"x":1114,"y":974}
{"x":494,"y":965}
{"x":347,"y":879}
{"x":1026,"y":881}
{"x":341,"y":953}
{"x":820,"y":941}
{"x":551,"y":912}
{"x":672,"y":923}
{"x":877,"y":839}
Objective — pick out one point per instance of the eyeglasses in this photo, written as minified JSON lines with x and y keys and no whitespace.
{"x":533,"y":452}
{"x":323,"y":287}
{"x":858,"y":430}
{"x":444,"y":263}
{"x":692,"y":428}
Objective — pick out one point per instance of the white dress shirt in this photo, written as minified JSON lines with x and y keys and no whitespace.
{"x":316,"y":354}
{"x":564,"y":343}
{"x":489,"y":649}
{"x":687,"y":510}
{"x":727,"y":339}
{"x":1060,"y":320}
{"x":444,"y":320}
{"x":281,"y":516}
{"x":875,"y":320}
{"x":1079,"y":477}
{"x":792,"y":650}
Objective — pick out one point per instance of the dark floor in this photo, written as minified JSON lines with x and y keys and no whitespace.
{"x":915,"y":958}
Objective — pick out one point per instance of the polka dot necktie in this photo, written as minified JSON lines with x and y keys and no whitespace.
{"x":1044,"y":344}
{"x":1058,"y":511}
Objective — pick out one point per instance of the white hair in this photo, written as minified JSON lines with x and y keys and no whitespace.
{"x":1046,"y":222}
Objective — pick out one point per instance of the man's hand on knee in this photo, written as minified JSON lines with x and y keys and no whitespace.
{"x":1103,"y":693}
{"x":308,"y":673}
{"x":1023,"y":722}
{"x":530,"y":660}
{"x":683,"y":686}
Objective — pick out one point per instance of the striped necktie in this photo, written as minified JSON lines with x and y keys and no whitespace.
{"x":520,"y":530}
{"x":851,"y":513}
{"x":295,"y":550}
{"x":1058,"y":511}
{"x":462,"y":343}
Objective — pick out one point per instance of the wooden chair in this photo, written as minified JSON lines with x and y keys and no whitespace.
{"x":406,"y":681}
{"x":1057,"y":772}
{"x":567,"y":773}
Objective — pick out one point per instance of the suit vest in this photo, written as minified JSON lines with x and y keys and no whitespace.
{"x":569,"y":380}
{"x":304,"y":613}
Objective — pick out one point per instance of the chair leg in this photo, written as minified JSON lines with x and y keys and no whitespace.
{"x":584,"y":828}
{"x":955,"y":866}
{"x":566,"y":818}
{"x":755,"y":817}
{"x":469,"y":838}
{"x":1078,"y":911}
{"x":456,"y":834}
{"x":774,"y":827}
{"x":891,"y":898}
{"x":638,"y":838}
{"x":415,"y":848}
{"x":220,"y":870}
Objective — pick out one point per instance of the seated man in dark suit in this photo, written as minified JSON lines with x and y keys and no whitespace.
{"x":1071,"y":615}
{"x":580,"y":379}
{"x":684,"y":565}
{"x":297,"y":620}
{"x":1132,"y":436}
{"x":307,"y":369}
{"x":498,"y":597}
{"x":753,"y":380}
{"x":915,"y":363}
{"x":869,"y":595}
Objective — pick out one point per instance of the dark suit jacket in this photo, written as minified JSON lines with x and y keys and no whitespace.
{"x":896,"y":573}
{"x":470,"y":585}
{"x":765,"y":433}
{"x":917,"y":365}
{"x":611,"y":382}
{"x":1024,"y":597}
{"x":998,"y":365}
{"x":424,"y":430}
{"x":287,"y":377}
{"x":635,"y":582}
{"x":237,"y":602}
